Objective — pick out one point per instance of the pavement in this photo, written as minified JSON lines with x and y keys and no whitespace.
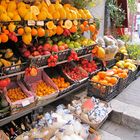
{"x":124,"y":121}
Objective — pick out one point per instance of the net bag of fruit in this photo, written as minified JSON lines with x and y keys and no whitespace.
{"x":42,"y":86}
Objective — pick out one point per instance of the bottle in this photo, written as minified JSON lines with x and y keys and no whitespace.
{"x":18,"y":130}
{"x":27,"y":123}
{"x":13,"y":134}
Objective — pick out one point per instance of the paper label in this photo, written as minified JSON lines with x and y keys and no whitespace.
{"x":31,"y":23}
{"x":40,"y":23}
{"x":25,"y":103}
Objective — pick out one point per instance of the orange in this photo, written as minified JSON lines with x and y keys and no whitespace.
{"x":85,"y":23}
{"x":92,"y":28}
{"x":6,"y":31}
{"x":104,"y":82}
{"x":34,"y":32}
{"x":20,"y":31}
{"x":59,"y":30}
{"x":82,"y":28}
{"x":4,"y":38}
{"x":75,"y":22}
{"x":119,"y":70}
{"x":108,"y":78}
{"x":73,"y":29}
{"x":115,"y":71}
{"x":68,"y":24}
{"x":95,"y":78}
{"x":102,"y":74}
{"x":122,"y":75}
{"x":41,"y":32}
{"x":50,"y":25}
{"x":86,"y":27}
{"x":113,"y":80}
{"x":49,"y":32}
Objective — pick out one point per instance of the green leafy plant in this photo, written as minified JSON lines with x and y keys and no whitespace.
{"x":117,"y":14}
{"x":134,"y":51}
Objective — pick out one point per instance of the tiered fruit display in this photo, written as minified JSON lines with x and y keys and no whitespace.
{"x":89,"y":66}
{"x":8,"y":59}
{"x":75,"y":73}
{"x":103,"y":78}
{"x":42,"y":89}
{"x":16,"y":94}
{"x":14,"y":10}
{"x":127,"y":64}
{"x":61,"y":83}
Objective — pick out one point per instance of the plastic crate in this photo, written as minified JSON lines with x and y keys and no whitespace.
{"x":102,"y":92}
{"x":90,"y":48}
{"x":133,"y":76}
{"x":40,"y":60}
{"x":55,"y":72}
{"x":123,"y":83}
{"x":31,"y":83}
{"x":14,"y":68}
{"x":20,"y":104}
{"x":63,"y":55}
{"x":80,"y":68}
{"x":81,"y":51}
{"x":111,"y":63}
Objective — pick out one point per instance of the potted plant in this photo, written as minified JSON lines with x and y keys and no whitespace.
{"x":116,"y":13}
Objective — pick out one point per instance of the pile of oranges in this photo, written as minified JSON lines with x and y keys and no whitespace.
{"x":104,"y":79}
{"x":42,"y":89}
{"x":61,"y":83}
{"x":16,"y":94}
{"x":121,"y":73}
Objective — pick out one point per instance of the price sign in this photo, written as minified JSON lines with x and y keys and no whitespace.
{"x":31,"y":23}
{"x":25,"y":103}
{"x":40,"y":23}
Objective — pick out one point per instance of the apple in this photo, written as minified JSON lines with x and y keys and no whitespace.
{"x":40,"y":48}
{"x":54,"y":48}
{"x":27,"y":54}
{"x":46,"y":52}
{"x":61,"y":48}
{"x":35,"y":53}
{"x":47,"y":47}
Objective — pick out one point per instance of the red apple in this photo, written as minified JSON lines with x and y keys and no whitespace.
{"x":54,"y":48}
{"x":46,"y":52}
{"x":27,"y":54}
{"x":35,"y":53}
{"x":47,"y":47}
{"x":62,"y":47}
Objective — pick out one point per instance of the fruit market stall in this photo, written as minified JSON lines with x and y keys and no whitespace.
{"x":44,"y":56}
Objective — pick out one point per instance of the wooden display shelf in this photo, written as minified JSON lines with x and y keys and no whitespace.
{"x":42,"y":67}
{"x":37,"y":105}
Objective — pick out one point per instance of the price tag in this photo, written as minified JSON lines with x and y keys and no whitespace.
{"x":48,"y":2}
{"x":40,"y":23}
{"x":31,"y":23}
{"x":25,"y":103}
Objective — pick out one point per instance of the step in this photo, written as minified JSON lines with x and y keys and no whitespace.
{"x":113,"y":131}
{"x":125,"y":114}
